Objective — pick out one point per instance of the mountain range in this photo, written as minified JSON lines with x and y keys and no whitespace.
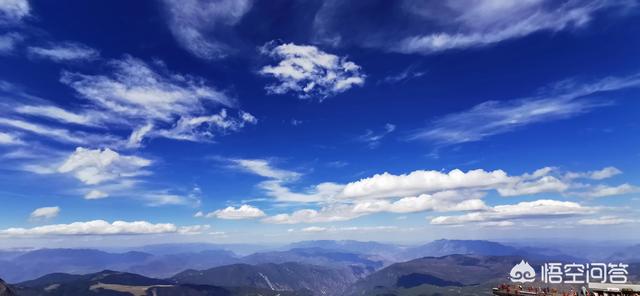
{"x":305,"y":268}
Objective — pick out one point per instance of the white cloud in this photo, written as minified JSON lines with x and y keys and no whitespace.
{"x":487,"y":22}
{"x":602,"y":174}
{"x":539,"y":209}
{"x":387,"y":185}
{"x":318,"y":229}
{"x":262,"y":167}
{"x":496,"y":117}
{"x":421,"y":191}
{"x":45,"y":213}
{"x":426,"y":27}
{"x":321,"y":192}
{"x":406,"y":74}
{"x":138,"y":91}
{"x":199,"y":25}
{"x":440,"y":201}
{"x":100,"y":227}
{"x":314,"y":229}
{"x":98,"y":166}
{"x":373,"y":139}
{"x":136,"y":137}
{"x":8,"y":42}
{"x":96,"y":194}
{"x":13,"y":11}
{"x":158,"y":199}
{"x":309,"y":72}
{"x":331,"y":213}
{"x":157,"y":103}
{"x":64,"y":52}
{"x":606,"y":220}
{"x":242,"y":212}
{"x":605,"y":190}
{"x":57,"y":113}
{"x":203,"y":128}
{"x":9,"y":139}
{"x":58,"y":134}
{"x":275,"y":187}
{"x":540,"y":185}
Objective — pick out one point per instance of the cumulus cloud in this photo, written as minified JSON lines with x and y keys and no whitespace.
{"x":202,"y":27}
{"x":539,"y":185}
{"x":64,"y":52}
{"x":100,"y":227}
{"x":387,"y":185}
{"x":490,"y":118}
{"x":539,"y":209}
{"x":95,"y":166}
{"x":423,"y":190}
{"x":331,"y":213}
{"x":440,"y":201}
{"x":45,"y":213}
{"x":309,"y":72}
{"x":240,"y":213}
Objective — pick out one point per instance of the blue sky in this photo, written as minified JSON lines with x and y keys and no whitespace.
{"x":125,"y":123}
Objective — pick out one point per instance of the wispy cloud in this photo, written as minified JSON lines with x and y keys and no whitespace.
{"x":427,"y":27}
{"x":10,"y":139}
{"x":607,"y":220}
{"x":13,"y":11}
{"x":308,"y":72}
{"x":490,"y":118}
{"x":405,"y":75}
{"x":64,"y":52}
{"x":373,"y":139}
{"x":8,"y":42}
{"x":201,"y":26}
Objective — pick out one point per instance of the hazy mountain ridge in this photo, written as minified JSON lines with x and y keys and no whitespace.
{"x":452,"y":272}
{"x":357,"y":259}
{"x":317,"y":280}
